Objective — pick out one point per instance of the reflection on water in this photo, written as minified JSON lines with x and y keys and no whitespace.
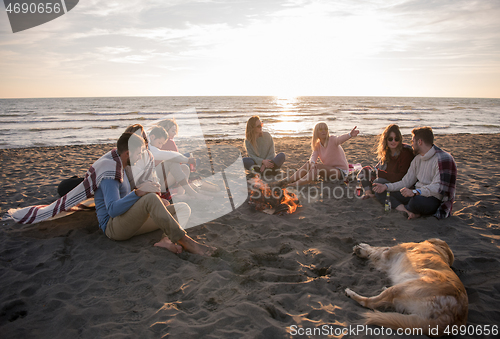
{"x":285,"y":127}
{"x":63,"y":121}
{"x":287,"y":104}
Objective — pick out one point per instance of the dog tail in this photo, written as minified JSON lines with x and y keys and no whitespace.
{"x":412,"y":323}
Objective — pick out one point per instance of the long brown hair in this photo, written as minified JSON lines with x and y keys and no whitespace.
{"x":383,"y":151}
{"x":134,"y":128}
{"x":315,"y":137}
{"x":250,"y":133}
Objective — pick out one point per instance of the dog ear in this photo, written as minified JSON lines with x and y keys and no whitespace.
{"x":443,"y":246}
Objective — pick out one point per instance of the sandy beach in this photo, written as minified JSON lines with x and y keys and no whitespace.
{"x":271,"y":275}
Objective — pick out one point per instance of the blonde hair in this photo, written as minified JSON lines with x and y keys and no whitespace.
{"x":383,"y":151}
{"x":250,"y":133}
{"x":315,"y":138}
{"x":167,"y":125}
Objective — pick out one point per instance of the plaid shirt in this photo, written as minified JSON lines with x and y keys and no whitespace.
{"x":448,"y":175}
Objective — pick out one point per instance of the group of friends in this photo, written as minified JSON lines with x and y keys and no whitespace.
{"x":129,"y":183}
{"x":420,"y":177}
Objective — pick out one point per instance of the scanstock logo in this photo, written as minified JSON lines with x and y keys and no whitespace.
{"x":26,"y":14}
{"x":222,"y":167}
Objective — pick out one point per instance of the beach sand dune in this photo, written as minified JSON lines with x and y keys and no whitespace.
{"x":271,"y":275}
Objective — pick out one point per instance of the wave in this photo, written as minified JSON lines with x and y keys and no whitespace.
{"x":25,"y":112}
{"x":382,"y":113}
{"x":483,"y":125}
{"x":228,"y":123}
{"x":216,"y":136}
{"x":353,"y":110}
{"x":390,"y":119}
{"x":326,"y":113}
{"x":107,"y":127}
{"x":223,"y":117}
{"x":34,"y":122}
{"x":13,"y":115}
{"x":53,"y":129}
{"x":219,"y":117}
{"x":114,"y":113}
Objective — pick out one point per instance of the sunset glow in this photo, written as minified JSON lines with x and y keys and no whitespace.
{"x":284,"y":48}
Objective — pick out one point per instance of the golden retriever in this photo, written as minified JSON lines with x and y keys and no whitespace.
{"x":426,"y":290}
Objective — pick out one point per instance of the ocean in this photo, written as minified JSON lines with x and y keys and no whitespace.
{"x":73,"y":121}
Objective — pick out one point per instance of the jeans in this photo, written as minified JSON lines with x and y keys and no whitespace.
{"x":278,"y":160}
{"x":380,"y":196}
{"x":368,"y":176}
{"x":417,"y":204}
{"x":149,"y":214}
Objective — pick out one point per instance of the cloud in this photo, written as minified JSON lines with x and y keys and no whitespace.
{"x":114,"y":50}
{"x":316,"y":40}
{"x":131,"y":59}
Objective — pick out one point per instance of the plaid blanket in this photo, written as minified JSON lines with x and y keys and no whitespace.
{"x":109,"y":166}
{"x":448,"y":174}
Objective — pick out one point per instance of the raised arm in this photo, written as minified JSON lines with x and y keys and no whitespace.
{"x":160,"y":155}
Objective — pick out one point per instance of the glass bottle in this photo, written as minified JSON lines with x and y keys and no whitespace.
{"x":388,"y":206}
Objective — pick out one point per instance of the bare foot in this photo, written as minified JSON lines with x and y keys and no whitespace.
{"x":195,"y":247}
{"x":413,"y":215}
{"x":367,"y":196}
{"x":169,"y":245}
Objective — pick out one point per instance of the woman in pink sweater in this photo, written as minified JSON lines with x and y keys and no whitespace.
{"x":327,"y":148}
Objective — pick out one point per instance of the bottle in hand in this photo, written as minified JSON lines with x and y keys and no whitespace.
{"x":192,"y":167}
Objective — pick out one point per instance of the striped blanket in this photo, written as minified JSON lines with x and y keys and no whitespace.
{"x":109,"y":166}
{"x":448,"y":178}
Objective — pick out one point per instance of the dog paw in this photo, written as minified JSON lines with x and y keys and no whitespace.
{"x":361,"y":250}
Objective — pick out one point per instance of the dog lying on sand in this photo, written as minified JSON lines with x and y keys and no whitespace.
{"x":426,"y":290}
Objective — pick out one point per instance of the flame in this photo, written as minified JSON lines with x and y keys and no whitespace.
{"x":265,"y":198}
{"x":291,"y":200}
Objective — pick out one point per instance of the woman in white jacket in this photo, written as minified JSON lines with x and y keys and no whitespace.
{"x":174,"y":163}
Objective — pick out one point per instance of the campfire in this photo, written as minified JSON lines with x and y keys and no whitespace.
{"x":273,"y":200}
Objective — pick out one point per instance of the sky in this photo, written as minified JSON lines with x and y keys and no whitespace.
{"x":409,"y":48}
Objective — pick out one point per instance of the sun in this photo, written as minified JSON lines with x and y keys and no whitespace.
{"x":287,"y":104}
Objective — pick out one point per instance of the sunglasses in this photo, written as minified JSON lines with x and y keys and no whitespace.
{"x":260,"y":126}
{"x":390,"y":139}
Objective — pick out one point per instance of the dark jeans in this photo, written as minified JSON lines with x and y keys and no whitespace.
{"x":368,"y":176}
{"x":417,"y":204}
{"x":278,"y":160}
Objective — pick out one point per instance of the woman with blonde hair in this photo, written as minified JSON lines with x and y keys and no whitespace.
{"x":328,"y":149}
{"x":394,"y":158}
{"x":260,"y":148}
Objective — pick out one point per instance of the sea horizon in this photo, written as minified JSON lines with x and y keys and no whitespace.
{"x":254,"y":95}
{"x":32,"y":122}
